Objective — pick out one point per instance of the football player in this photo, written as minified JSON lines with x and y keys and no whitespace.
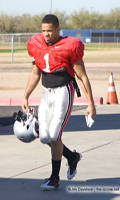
{"x":56,"y":61}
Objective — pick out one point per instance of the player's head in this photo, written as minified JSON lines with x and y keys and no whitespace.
{"x":51,"y":19}
{"x":50,"y":28}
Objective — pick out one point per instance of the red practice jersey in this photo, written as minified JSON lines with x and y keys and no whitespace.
{"x":64,"y":53}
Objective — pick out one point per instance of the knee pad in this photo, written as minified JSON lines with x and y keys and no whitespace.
{"x":53,"y":138}
{"x":44,"y":139}
{"x":44,"y":136}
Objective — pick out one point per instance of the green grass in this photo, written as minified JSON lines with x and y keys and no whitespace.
{"x":15,"y":50}
{"x":102,"y":46}
{"x":88,"y":47}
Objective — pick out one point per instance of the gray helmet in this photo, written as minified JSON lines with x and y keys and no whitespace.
{"x":26,"y":126}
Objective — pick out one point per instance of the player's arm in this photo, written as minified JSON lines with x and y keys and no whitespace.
{"x":83,"y":80}
{"x":32,"y":83}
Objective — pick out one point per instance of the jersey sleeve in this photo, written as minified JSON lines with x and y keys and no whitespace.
{"x":30,"y":47}
{"x":77,"y":51}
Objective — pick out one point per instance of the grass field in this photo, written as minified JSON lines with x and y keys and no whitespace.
{"x":99,"y":46}
{"x":94,"y":53}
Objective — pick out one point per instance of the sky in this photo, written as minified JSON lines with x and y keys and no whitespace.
{"x":36,"y":7}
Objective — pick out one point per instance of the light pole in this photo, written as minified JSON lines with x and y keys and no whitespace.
{"x":91,"y":9}
{"x":50,"y":6}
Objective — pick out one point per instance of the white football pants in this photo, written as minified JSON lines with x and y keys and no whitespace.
{"x":54,"y":111}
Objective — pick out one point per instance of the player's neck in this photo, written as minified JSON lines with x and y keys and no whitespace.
{"x":53,"y":42}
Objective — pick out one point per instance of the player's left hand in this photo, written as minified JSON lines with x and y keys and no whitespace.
{"x":90,"y":110}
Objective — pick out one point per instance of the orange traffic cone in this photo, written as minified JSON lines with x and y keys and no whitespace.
{"x":111,"y":94}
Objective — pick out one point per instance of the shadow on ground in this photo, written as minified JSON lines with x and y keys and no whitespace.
{"x":29,"y":189}
{"x":75,"y":122}
{"x":102,"y":122}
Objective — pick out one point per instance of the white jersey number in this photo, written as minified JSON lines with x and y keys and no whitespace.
{"x":46,"y":58}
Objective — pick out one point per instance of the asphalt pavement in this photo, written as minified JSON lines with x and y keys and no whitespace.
{"x":23,"y":167}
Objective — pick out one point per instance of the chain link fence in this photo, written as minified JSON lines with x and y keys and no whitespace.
{"x":13,"y":46}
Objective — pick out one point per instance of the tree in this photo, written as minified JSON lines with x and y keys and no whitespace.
{"x":5,"y":23}
{"x":114,"y":19}
{"x":63,"y":19}
{"x":77,"y":20}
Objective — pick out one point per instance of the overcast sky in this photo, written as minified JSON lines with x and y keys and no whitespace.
{"x":19,"y":7}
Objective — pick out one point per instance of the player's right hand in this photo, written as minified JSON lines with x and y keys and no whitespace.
{"x":25,"y":105}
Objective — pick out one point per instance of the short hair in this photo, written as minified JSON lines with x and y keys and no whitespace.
{"x":51,"y":19}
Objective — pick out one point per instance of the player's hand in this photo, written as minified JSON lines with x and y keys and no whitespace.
{"x":25,"y":105}
{"x":91,"y":110}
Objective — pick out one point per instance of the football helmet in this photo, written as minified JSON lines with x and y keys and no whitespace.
{"x":26,"y":127}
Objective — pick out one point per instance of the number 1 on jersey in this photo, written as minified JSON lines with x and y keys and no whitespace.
{"x":46,"y":58}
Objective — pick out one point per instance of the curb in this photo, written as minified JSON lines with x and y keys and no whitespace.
{"x":36,"y":101}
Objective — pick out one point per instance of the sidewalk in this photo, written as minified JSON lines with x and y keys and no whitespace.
{"x":24,"y":166}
